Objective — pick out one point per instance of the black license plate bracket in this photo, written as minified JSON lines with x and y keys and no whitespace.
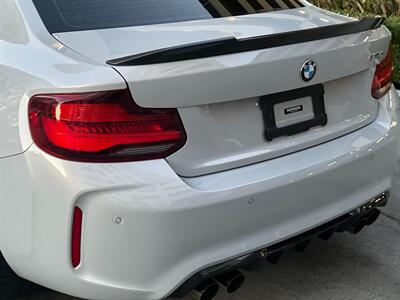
{"x":267,"y":103}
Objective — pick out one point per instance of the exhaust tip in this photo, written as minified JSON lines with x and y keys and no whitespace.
{"x":358,"y":226}
{"x":236,"y":283}
{"x":205,"y":291}
{"x":232,"y":281}
{"x":373,"y":216}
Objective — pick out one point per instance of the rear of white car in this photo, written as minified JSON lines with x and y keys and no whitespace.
{"x":150,"y":148}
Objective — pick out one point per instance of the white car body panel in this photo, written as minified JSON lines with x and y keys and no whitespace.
{"x":218,"y":95}
{"x":227,"y":132}
{"x":180,"y":214}
{"x":200,"y":80}
{"x":167,"y":213}
{"x":105,"y":44}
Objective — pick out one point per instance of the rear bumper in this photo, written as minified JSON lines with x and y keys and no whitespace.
{"x":353,"y":222}
{"x":174,"y":227}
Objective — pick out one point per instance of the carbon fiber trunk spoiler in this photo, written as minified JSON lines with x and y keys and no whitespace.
{"x":233,"y":45}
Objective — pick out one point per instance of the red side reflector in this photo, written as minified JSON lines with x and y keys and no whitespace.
{"x":103,"y":127}
{"x":76,"y":237}
{"x":383,"y":77}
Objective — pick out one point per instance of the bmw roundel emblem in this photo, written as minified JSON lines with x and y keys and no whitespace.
{"x":308,"y":70}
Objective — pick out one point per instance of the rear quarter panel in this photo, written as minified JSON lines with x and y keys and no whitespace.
{"x":33,"y":62}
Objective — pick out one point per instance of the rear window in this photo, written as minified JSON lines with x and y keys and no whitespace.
{"x":74,"y":15}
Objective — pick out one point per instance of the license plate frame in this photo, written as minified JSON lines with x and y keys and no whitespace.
{"x":267,"y":103}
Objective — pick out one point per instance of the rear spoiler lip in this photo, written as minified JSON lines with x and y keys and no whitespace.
{"x":232,"y":45}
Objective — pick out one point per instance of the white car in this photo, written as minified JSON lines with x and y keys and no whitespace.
{"x":152,"y":149}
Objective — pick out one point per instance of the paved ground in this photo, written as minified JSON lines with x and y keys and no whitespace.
{"x":365,"y":267}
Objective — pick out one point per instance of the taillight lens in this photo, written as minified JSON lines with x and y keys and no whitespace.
{"x":103,"y":127}
{"x":383,"y":77}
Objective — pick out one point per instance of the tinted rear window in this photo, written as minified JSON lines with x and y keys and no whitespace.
{"x":73,"y":15}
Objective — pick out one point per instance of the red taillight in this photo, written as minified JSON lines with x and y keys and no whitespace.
{"x":383,"y":77}
{"x":76,"y":237}
{"x":103,"y":127}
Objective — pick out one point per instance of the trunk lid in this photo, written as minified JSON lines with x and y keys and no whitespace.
{"x":219,"y":97}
